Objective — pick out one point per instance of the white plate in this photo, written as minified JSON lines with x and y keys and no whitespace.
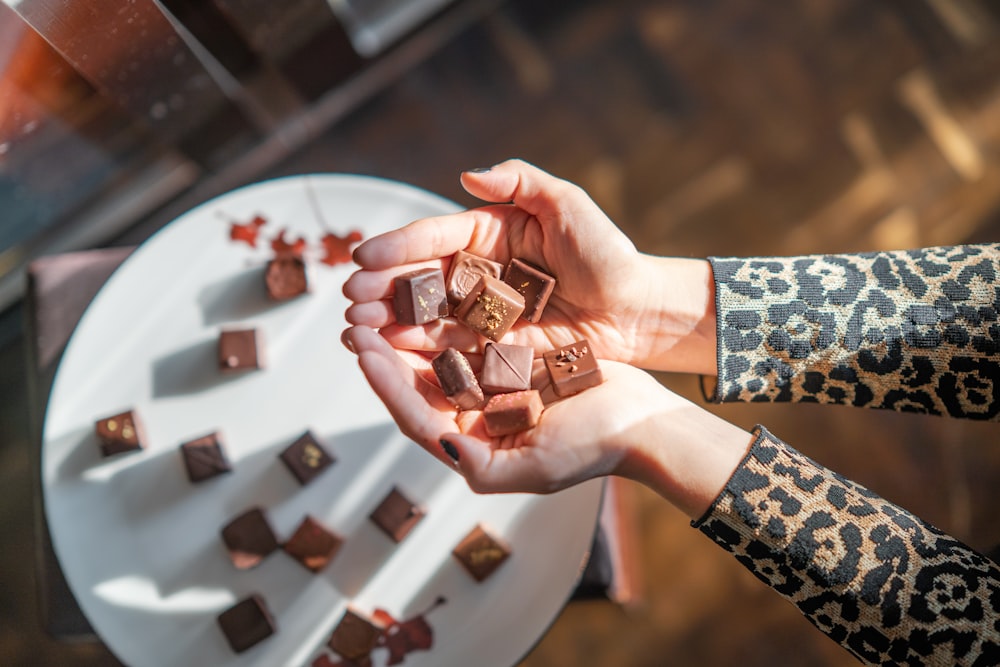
{"x":140,"y":545}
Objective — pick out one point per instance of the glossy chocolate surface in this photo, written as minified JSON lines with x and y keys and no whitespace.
{"x":535,"y":286}
{"x":457,"y":380}
{"x":419,"y":297}
{"x":506,"y":368}
{"x":573,"y":368}
{"x":239,"y":350}
{"x":506,"y":414}
{"x":205,"y":458}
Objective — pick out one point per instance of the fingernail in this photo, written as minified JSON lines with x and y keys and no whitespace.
{"x":478,"y":170}
{"x":347,"y":343}
{"x":450,"y":450}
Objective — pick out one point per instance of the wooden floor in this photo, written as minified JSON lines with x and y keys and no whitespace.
{"x":703,"y":128}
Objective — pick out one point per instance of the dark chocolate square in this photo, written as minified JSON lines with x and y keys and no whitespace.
{"x":306,"y":458}
{"x":419,"y":297}
{"x":205,"y":458}
{"x":285,"y":278}
{"x":247,"y":623}
{"x":506,"y":368}
{"x":457,"y":380}
{"x":573,"y":368}
{"x":465,"y":271}
{"x":313,"y":544}
{"x":120,"y":434}
{"x":249,"y":538}
{"x":535,"y":286}
{"x":480,"y":553}
{"x":506,"y":414}
{"x":490,"y":308}
{"x":355,"y":636}
{"x":239,"y":350}
{"x":396,"y":515}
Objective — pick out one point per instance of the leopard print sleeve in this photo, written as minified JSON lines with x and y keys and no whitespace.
{"x":913,"y":331}
{"x":888,"y":587}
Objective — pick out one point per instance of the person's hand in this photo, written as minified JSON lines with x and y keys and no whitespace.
{"x":655,"y":313}
{"x":630,"y":425}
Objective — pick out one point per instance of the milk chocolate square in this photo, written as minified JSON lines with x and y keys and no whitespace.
{"x":247,"y":623}
{"x":535,"y":286}
{"x":480,"y":553}
{"x":249,"y":539}
{"x":120,"y":434}
{"x":306,"y":458}
{"x":457,"y":380}
{"x":313,"y":544}
{"x":466,"y":270}
{"x":491,"y":308}
{"x":419,"y":297}
{"x":505,"y":414}
{"x":355,"y":636}
{"x":285,"y":278}
{"x":573,"y":368}
{"x":506,"y":368}
{"x":239,"y":350}
{"x":205,"y":458}
{"x":396,"y":515}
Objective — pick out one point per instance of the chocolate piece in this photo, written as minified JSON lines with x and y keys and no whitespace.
{"x":396,"y":515}
{"x":419,"y":297}
{"x":239,"y":350}
{"x":285,"y":278}
{"x":506,"y":368}
{"x":313,"y":544}
{"x":573,"y":368}
{"x":510,"y":413}
{"x":457,"y":380}
{"x":120,"y":434}
{"x":466,"y":270}
{"x":535,"y":286}
{"x":305,"y":458}
{"x":491,"y":308}
{"x":355,"y":636}
{"x":205,"y":458}
{"x":247,"y":623}
{"x":481,"y":553}
{"x":249,"y":538}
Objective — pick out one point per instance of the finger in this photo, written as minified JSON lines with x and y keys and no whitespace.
{"x":369,"y":285}
{"x":374,"y":314}
{"x":528,"y":187}
{"x":491,"y":469}
{"x":436,"y":335}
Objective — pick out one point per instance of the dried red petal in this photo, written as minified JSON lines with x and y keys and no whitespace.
{"x":282,"y":248}
{"x":337,"y":249}
{"x":247,"y":232}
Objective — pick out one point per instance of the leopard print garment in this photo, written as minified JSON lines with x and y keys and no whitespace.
{"x":915,"y":331}
{"x":888,"y":587}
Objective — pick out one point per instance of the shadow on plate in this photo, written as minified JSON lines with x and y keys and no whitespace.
{"x":236,"y":298}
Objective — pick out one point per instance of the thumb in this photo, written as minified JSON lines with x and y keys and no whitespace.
{"x":525,"y":185}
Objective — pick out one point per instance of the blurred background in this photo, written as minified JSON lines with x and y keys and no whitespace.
{"x":709,"y":127}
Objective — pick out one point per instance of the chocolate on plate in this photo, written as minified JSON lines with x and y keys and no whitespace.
{"x":491,"y":308}
{"x":120,"y":434}
{"x":247,"y":623}
{"x":480,"y":553}
{"x":506,"y":368}
{"x":573,"y":368}
{"x":535,"y":286}
{"x":249,"y":538}
{"x":313,"y":544}
{"x":306,"y":458}
{"x":285,"y":277}
{"x":466,"y":270}
{"x":517,"y":411}
{"x":419,"y":297}
{"x":355,"y":636}
{"x":396,"y":515}
{"x":205,"y":457}
{"x":240,"y":350}
{"x":457,"y":380}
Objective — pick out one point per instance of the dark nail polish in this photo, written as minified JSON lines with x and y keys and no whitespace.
{"x":479,"y":170}
{"x":449,"y":449}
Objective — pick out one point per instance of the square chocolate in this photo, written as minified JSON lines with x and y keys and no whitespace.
{"x":491,"y":308}
{"x":396,"y":515}
{"x":573,"y":368}
{"x":306,"y":458}
{"x":480,"y":553}
{"x":457,"y":380}
{"x":120,"y":434}
{"x":535,"y":286}
{"x":419,"y":297}
{"x":466,"y":270}
{"x":355,"y":636}
{"x":313,"y":544}
{"x":205,"y":458}
{"x":506,"y":368}
{"x":285,"y":277}
{"x":247,"y":623}
{"x":239,"y":350}
{"x":249,"y":539}
{"x":517,"y":411}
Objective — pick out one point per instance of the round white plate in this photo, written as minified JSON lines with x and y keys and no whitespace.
{"x":140,"y":544}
